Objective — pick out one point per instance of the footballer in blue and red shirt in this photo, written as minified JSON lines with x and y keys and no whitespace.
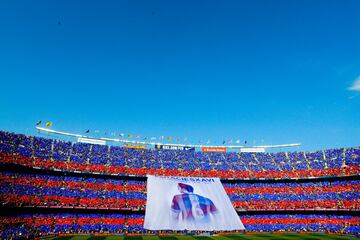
{"x":191,"y":207}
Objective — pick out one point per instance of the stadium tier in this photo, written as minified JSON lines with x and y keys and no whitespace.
{"x":68,"y":156}
{"x":28,"y":225}
{"x":64,"y":179}
{"x":20,"y":189}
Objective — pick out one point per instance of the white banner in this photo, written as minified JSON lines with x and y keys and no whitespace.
{"x":182,"y":203}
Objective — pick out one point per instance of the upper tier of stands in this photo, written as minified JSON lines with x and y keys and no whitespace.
{"x":73,"y":156}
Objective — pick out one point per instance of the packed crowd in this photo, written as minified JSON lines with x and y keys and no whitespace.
{"x":32,"y":225}
{"x":21,"y":189}
{"x":104,"y":191}
{"x":295,"y":195}
{"x":27,"y":226}
{"x":44,"y":190}
{"x":55,"y":154}
{"x":302,"y":223}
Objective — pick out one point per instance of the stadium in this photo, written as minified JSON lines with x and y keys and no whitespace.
{"x":179,"y":120}
{"x":51,"y":187}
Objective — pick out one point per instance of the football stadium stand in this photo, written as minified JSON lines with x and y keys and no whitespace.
{"x":49,"y":186}
{"x":27,"y":225}
{"x":84,"y":157}
{"x":44,"y":190}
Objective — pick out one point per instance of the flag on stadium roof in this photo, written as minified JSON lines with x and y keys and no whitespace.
{"x":38,"y":123}
{"x":87,"y":131}
{"x":169,"y":138}
{"x":130,"y":136}
{"x":48,"y":124}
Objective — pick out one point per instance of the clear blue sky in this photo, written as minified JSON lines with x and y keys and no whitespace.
{"x":269,"y":72}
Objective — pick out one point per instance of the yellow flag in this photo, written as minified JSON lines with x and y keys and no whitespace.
{"x":129,"y":136}
{"x":48,"y":124}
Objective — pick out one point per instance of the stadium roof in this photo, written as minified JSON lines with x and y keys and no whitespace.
{"x":151,"y":143}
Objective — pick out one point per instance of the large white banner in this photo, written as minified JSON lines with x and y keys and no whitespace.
{"x":179,"y":203}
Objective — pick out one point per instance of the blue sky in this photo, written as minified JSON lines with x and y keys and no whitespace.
{"x":269,"y":72}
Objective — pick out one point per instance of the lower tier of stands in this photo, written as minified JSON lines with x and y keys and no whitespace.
{"x":30,"y":225}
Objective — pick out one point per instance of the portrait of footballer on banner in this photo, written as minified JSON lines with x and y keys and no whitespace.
{"x":188,"y":206}
{"x":188,"y":203}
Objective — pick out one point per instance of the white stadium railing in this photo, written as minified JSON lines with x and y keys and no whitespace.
{"x":103,"y":140}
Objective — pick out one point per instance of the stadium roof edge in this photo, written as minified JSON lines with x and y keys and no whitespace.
{"x":48,"y":130}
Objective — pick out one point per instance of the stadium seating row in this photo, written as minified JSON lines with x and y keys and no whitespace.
{"x":35,"y":225}
{"x":31,"y":189}
{"x":55,"y":154}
